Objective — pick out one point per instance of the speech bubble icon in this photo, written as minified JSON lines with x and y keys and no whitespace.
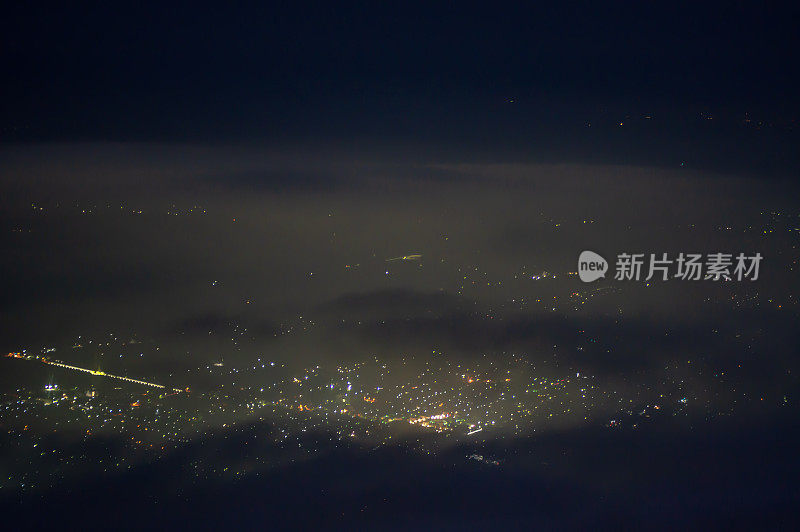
{"x":591,"y":266}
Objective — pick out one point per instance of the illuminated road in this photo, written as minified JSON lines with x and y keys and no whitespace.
{"x":405,"y":257}
{"x":90,"y":371}
{"x":104,"y":374}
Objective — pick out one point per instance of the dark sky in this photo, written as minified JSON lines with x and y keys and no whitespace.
{"x":294,"y":72}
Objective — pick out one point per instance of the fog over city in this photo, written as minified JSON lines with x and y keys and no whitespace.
{"x":270,"y":267}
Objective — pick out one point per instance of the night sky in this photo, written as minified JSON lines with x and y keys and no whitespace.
{"x":336,"y":247}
